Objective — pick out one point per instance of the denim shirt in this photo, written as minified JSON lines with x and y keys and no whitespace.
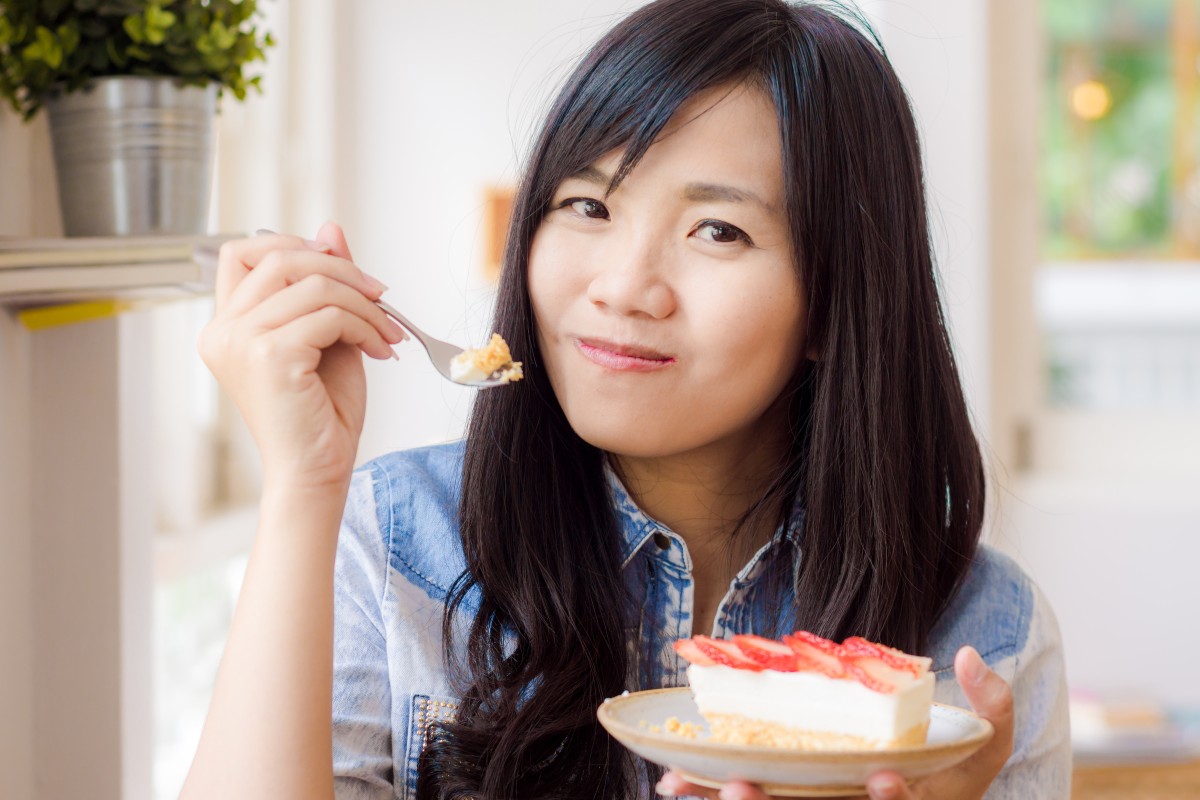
{"x":399,"y":551}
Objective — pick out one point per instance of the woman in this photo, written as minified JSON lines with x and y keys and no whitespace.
{"x":740,"y":414}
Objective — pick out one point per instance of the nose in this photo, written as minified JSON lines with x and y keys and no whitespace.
{"x":632,"y":282}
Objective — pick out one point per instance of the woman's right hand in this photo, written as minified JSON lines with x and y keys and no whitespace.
{"x":292,"y":319}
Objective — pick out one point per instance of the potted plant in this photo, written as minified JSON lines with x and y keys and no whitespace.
{"x":131,"y":87}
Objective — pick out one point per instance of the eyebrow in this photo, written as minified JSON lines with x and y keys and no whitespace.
{"x":695,"y":192}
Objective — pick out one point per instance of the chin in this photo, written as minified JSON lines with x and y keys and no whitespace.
{"x":637,"y":436}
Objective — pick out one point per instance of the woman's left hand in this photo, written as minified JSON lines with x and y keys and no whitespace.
{"x":990,"y":697}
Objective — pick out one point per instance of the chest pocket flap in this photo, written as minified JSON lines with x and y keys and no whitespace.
{"x":425,"y":712}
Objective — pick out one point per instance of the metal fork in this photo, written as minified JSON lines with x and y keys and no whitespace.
{"x":440,"y":353}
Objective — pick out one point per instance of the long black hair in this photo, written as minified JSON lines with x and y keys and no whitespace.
{"x":883,"y":458}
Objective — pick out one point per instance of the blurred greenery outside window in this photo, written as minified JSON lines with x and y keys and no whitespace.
{"x":1120,"y":201}
{"x":1120,"y":174}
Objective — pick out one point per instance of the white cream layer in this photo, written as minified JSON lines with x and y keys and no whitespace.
{"x":811,"y":701}
{"x":463,"y":369}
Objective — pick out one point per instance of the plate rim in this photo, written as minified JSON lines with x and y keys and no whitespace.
{"x":642,"y":736}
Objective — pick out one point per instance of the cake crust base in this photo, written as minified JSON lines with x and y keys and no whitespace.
{"x":737,"y":729}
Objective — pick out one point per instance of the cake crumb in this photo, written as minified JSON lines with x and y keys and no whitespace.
{"x":684,"y":730}
{"x":655,"y":729}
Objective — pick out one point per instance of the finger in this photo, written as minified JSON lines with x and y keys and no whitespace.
{"x":332,"y":234}
{"x":324,"y":328}
{"x":991,"y":698}
{"x":279,"y":269}
{"x":673,"y":784}
{"x":314,"y":292}
{"x":740,"y":790}
{"x":237,"y":258}
{"x":888,"y":786}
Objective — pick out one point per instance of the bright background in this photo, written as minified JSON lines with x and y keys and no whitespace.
{"x":1060,"y":139}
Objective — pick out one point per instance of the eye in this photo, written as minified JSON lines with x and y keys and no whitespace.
{"x":586,"y":207}
{"x":713,"y":230}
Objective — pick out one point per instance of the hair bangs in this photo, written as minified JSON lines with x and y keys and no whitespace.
{"x":636,"y":79}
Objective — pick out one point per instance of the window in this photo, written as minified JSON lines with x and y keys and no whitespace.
{"x":1118,"y":292}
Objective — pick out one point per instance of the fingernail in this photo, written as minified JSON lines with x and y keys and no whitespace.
{"x":394,"y":356}
{"x":726,"y":794}
{"x":884,"y":789}
{"x":664,"y":791}
{"x":319,"y":246}
{"x":375,"y":283}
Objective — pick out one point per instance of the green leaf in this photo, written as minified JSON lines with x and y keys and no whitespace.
{"x":158,"y":22}
{"x":206,"y":41}
{"x":135,"y":26}
{"x":223,"y":38}
{"x":46,"y":49}
{"x":68,"y":35}
{"x":118,"y":60}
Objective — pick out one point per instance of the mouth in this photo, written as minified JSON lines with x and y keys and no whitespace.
{"x":623,"y":357}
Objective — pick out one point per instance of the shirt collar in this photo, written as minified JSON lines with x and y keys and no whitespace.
{"x":637,"y":527}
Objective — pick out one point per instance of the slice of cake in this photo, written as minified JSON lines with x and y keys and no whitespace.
{"x":474,"y":365}
{"x":809,"y":693}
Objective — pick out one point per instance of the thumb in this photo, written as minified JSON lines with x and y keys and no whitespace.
{"x":989,"y":695}
{"x":332,"y":235}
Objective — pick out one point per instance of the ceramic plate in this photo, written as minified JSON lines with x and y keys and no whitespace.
{"x":954,"y":734}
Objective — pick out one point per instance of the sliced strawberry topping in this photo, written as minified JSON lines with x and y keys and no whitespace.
{"x":725,"y":652}
{"x":875,"y":666}
{"x":872,"y":673}
{"x":770,"y":653}
{"x":690,"y":652}
{"x":817,"y":653}
{"x":896,"y":659}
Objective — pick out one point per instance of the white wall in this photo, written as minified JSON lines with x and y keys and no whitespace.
{"x":1116,"y":557}
{"x":28,"y":206}
{"x":16,"y":563}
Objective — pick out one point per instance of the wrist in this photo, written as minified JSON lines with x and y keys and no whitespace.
{"x":288,"y":480}
{"x":291,"y":497}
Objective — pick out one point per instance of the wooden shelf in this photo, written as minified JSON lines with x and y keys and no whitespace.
{"x":1146,"y":781}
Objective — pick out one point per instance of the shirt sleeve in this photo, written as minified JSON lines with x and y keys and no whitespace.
{"x":362,"y":734}
{"x":1040,"y":765}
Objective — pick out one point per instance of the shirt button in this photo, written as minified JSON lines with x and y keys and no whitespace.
{"x":661,"y":541}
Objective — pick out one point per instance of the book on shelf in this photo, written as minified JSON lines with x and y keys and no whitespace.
{"x":88,"y":251}
{"x":106,"y":277}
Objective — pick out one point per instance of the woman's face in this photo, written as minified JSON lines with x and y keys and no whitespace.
{"x":670,"y":315}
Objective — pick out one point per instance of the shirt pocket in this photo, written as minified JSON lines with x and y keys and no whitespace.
{"x":426,"y":711}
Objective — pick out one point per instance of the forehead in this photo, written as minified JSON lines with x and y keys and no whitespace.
{"x":726,"y":135}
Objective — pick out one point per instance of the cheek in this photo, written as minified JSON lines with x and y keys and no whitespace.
{"x":551,"y":280}
{"x":751,"y":328}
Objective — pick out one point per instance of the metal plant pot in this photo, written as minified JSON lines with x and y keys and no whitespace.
{"x":134,"y":156}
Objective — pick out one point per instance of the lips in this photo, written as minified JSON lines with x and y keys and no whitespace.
{"x":623,"y":356}
{"x":631,"y":350}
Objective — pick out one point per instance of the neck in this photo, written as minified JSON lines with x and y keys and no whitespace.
{"x":703,"y":494}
